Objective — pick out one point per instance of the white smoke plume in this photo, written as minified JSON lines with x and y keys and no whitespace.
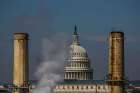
{"x":51,"y":68}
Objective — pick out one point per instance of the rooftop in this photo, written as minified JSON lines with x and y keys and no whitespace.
{"x":82,"y":82}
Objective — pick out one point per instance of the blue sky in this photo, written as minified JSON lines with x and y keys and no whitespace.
{"x":95,"y":19}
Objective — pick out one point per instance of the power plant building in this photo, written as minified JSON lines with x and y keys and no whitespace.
{"x":78,"y":74}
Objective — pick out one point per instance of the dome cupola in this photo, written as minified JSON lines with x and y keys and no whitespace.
{"x":78,"y":67}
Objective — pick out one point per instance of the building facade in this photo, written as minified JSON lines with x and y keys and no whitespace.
{"x":82,"y":86}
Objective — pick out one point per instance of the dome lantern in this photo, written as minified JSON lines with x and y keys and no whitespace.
{"x":75,"y":37}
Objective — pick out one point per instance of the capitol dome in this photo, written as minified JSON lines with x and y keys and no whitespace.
{"x":78,"y":67}
{"x":77,"y":51}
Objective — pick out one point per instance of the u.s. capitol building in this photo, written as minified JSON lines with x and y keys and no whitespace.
{"x":78,"y":74}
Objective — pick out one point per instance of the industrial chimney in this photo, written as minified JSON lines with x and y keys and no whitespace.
{"x":116,"y":62}
{"x":20,"y":64}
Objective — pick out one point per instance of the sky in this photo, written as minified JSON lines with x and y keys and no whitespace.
{"x":47,"y":18}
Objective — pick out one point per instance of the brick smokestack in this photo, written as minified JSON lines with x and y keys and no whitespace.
{"x":116,"y":62}
{"x":20,"y":64}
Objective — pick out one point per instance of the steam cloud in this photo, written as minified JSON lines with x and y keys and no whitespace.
{"x":51,"y":68}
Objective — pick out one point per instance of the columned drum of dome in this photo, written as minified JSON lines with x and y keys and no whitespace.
{"x":79,"y":63}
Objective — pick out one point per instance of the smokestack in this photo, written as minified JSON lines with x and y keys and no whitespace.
{"x":20,"y":64}
{"x":116,"y":62}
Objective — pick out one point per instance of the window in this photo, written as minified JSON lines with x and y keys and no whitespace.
{"x":72,"y":87}
{"x":98,"y":87}
{"x":77,"y":87}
